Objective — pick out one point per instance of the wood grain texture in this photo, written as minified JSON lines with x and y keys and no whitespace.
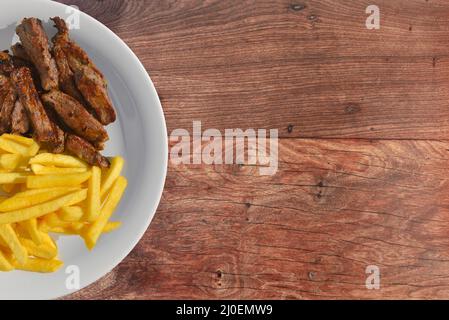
{"x":362,"y":180}
{"x":309,"y":232}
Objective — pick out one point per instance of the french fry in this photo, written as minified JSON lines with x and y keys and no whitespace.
{"x":39,"y":169}
{"x":67,"y":230}
{"x":111,"y":175}
{"x":54,"y":193}
{"x":40,"y":265}
{"x":9,"y":236}
{"x":13,"y":147}
{"x":9,"y":161}
{"x":71,"y":214}
{"x":31,"y":228}
{"x":42,"y":209}
{"x":93,"y":205}
{"x":10,"y":188}
{"x":3,"y":244}
{"x":4,"y":263}
{"x":66,"y":180}
{"x":111,"y":226}
{"x":19,"y":145}
{"x":13,"y":177}
{"x":57,"y":160}
{"x":93,"y":232}
{"x":63,"y":231}
{"x":53,"y":220}
{"x":33,"y":146}
{"x":44,"y":250}
{"x":32,"y":197}
{"x":20,"y":139}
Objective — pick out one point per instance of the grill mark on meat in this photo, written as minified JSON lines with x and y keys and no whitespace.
{"x":73,"y":114}
{"x":95,"y":93}
{"x":66,"y":77}
{"x":36,"y":45}
{"x":20,"y":123}
{"x":84,"y":150}
{"x":44,"y":130}
{"x":7,"y":104}
{"x":88,"y":79}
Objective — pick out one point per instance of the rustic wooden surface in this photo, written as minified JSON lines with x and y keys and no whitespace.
{"x":363,"y":117}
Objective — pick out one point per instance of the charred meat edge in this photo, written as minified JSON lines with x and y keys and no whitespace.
{"x":75,"y":116}
{"x":45,"y":131}
{"x":35,"y":42}
{"x":84,"y":150}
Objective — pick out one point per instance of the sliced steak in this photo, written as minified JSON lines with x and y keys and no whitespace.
{"x":84,"y":150}
{"x":95,"y":92}
{"x":66,"y":77}
{"x":20,"y":123}
{"x":35,"y":43}
{"x":7,"y":100}
{"x":89,"y":81}
{"x":76,"y":117}
{"x":44,"y":130}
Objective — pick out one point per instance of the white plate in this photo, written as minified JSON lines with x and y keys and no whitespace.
{"x":139,"y":135}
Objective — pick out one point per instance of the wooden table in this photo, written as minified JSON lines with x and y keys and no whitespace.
{"x":363,"y":120}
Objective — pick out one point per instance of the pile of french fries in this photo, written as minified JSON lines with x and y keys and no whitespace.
{"x":49,"y":193}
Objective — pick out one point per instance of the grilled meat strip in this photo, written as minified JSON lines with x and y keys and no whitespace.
{"x":7,"y":101}
{"x":6,"y":63}
{"x":95,"y":93}
{"x":76,"y":117}
{"x":84,"y":150}
{"x":66,"y":77}
{"x":45,"y":131}
{"x":21,"y":59}
{"x":88,"y":79}
{"x":19,"y":51}
{"x":35,"y":43}
{"x":20,"y":123}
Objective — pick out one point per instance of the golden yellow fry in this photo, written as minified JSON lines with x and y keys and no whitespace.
{"x":71,"y":214}
{"x":64,"y":231}
{"x":111,"y":175}
{"x":31,"y":228}
{"x":94,"y":231}
{"x":13,"y":147}
{"x":93,"y":200}
{"x":3,"y":244}
{"x":40,"y":265}
{"x":66,"y":180}
{"x":13,"y":177}
{"x":32,"y":197}
{"x":58,"y":160}
{"x":9,"y":236}
{"x":53,"y":220}
{"x":9,"y":161}
{"x":32,"y":192}
{"x":44,"y":250}
{"x":42,"y":209}
{"x":5,"y":265}
{"x":44,"y":170}
{"x":10,"y":188}
{"x":111,"y":226}
{"x":20,"y":139}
